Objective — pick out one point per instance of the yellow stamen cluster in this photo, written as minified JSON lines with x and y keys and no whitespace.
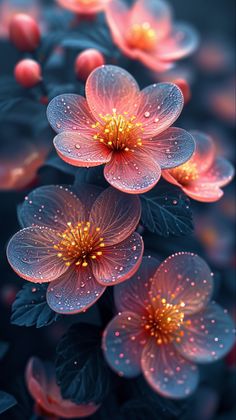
{"x":79,"y":243}
{"x":164,"y":322}
{"x":185,"y":173}
{"x":142,"y":36}
{"x":119,"y":132}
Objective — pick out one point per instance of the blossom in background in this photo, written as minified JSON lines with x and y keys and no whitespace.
{"x":221,"y":100}
{"x":41,"y":384}
{"x":9,"y":8}
{"x":202,"y":177}
{"x":166,"y":324}
{"x":146,"y":32}
{"x":122,"y":127}
{"x":84,"y":6}
{"x":79,"y":243}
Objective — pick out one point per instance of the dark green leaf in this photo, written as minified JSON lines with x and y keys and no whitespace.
{"x":6,"y":401}
{"x":3,"y":348}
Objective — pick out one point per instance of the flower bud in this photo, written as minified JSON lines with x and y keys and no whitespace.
{"x":24,"y":32}
{"x":28,"y":73}
{"x":86,"y":62}
{"x":185,"y":89}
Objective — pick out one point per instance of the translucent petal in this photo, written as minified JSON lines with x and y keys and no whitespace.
{"x":203,"y":191}
{"x":133,"y":295}
{"x":116,"y":214}
{"x":132,"y":172}
{"x":52,"y":206}
{"x":70,"y":112}
{"x":119,"y":262}
{"x":208,"y":335}
{"x":74,"y":292}
{"x":204,"y":152}
{"x":123,"y":341}
{"x":117,"y":16}
{"x":171,"y":148}
{"x":167,"y":372}
{"x":182,"y":41}
{"x":83,"y":7}
{"x":219,"y":174}
{"x":41,"y":384}
{"x":183,"y":278}
{"x":79,"y":150}
{"x":109,"y":88}
{"x":31,"y":254}
{"x":160,"y":106}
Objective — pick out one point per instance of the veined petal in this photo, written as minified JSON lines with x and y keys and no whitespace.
{"x":167,"y":372}
{"x":134,"y":294}
{"x":74,"y":292}
{"x":111,"y":88}
{"x":182,"y":41}
{"x":160,"y":106}
{"x":116,"y":214}
{"x":79,"y":150}
{"x":32,"y":255}
{"x":132,"y":172}
{"x":70,"y":112}
{"x":171,"y":148}
{"x":208,"y":335}
{"x":119,"y":262}
{"x":52,"y":206}
{"x":123,"y":341}
{"x":183,"y":278}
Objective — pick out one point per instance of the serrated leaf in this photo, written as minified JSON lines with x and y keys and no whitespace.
{"x":6,"y":401}
{"x":30,"y":307}
{"x":81,"y":370}
{"x":166,"y":211}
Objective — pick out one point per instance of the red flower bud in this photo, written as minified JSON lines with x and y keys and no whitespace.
{"x":28,"y":73}
{"x":86,"y":62}
{"x":185,"y":89}
{"x":24,"y":32}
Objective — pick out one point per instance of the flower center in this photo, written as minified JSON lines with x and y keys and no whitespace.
{"x":142,"y":36}
{"x":118,"y":131}
{"x":79,"y":244}
{"x":164,"y":322}
{"x":185,"y":173}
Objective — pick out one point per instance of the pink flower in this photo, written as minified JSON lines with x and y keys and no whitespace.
{"x":166,"y":324}
{"x":84,"y":6}
{"x":121,"y":127}
{"x":81,"y":243}
{"x":41,"y":384}
{"x":8,"y":9}
{"x":146,"y":33}
{"x":202,"y":177}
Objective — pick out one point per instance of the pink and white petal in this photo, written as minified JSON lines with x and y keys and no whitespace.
{"x":111,"y":88}
{"x":119,"y":262}
{"x":204,"y":153}
{"x":79,"y":150}
{"x":156,"y":13}
{"x":149,"y":59}
{"x":167,"y":372}
{"x":123,"y":341}
{"x":134,"y":294}
{"x":51,"y":206}
{"x":181,"y":42}
{"x":91,"y":7}
{"x":116,"y":214}
{"x":160,"y":106}
{"x":70,"y":112}
{"x":74,"y":292}
{"x":183,"y":278}
{"x":208,"y":335}
{"x":132,"y":172}
{"x":203,"y":191}
{"x":220,"y":173}
{"x":171,"y":148}
{"x":169,"y":178}
{"x":117,"y":16}
{"x":36,"y":380}
{"x":32,"y":255}
{"x":88,"y":198}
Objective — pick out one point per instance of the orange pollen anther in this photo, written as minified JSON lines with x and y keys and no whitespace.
{"x":164,"y":323}
{"x":185,"y":173}
{"x":142,"y":36}
{"x":119,"y":132}
{"x":79,"y":243}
